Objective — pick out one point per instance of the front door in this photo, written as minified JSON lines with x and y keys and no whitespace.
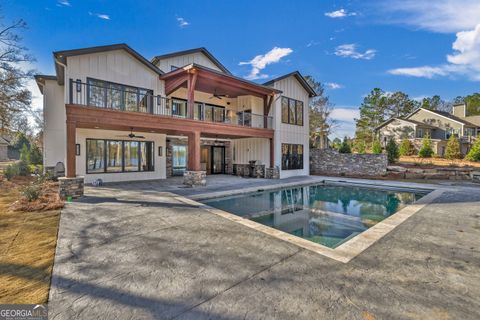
{"x":218,"y":160}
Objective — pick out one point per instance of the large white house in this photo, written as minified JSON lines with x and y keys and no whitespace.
{"x":112,"y":114}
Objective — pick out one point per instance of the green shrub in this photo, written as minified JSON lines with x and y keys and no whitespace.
{"x":474,"y":153}
{"x":406,"y":148}
{"x":20,"y":168}
{"x":426,"y":150}
{"x":35,"y":155}
{"x":392,"y":151}
{"x":23,"y":168}
{"x":25,"y":153}
{"x":345,"y":146}
{"x":32,"y":192}
{"x":361,"y":146}
{"x":10,"y":171}
{"x":376,"y":147}
{"x":453,"y":149}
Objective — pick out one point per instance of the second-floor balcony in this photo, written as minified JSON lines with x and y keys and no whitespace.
{"x":119,"y":97}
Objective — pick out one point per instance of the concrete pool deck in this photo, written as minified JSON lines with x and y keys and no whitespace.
{"x":137,"y":251}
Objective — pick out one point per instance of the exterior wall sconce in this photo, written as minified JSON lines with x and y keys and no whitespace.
{"x":77,"y":149}
{"x":79,"y":85}
{"x":160,"y":151}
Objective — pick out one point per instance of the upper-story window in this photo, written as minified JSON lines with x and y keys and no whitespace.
{"x":292,"y":111}
{"x":469,"y":132}
{"x":116,"y":96}
{"x":420,"y":133}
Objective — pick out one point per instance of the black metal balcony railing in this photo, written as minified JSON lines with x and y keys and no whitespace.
{"x":144,"y":101}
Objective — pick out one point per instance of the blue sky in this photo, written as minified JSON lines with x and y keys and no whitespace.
{"x":419,"y":47}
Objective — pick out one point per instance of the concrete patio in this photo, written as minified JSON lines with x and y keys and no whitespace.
{"x":138,"y":251}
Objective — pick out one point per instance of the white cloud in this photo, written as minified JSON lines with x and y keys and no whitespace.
{"x":342,"y":13}
{"x":63,"y":3}
{"x":465,"y":60}
{"x":100,"y":15}
{"x":259,"y":62}
{"x":333,"y":85}
{"x":345,"y":113}
{"x":446,"y":16}
{"x":345,"y":117}
{"x":419,"y":72}
{"x":182,"y":23}
{"x":312,"y":43}
{"x":350,"y":51}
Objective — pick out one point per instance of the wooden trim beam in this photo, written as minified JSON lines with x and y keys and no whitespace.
{"x":71,"y":141}
{"x":172,"y":85}
{"x":106,"y":118}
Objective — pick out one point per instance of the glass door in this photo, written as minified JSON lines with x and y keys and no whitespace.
{"x":218,"y":160}
{"x":179,"y":160}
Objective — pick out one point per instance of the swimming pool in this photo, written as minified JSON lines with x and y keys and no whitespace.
{"x":325,"y":214}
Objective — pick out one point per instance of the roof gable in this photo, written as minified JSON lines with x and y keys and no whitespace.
{"x":300,"y":79}
{"x":201,"y":50}
{"x":61,"y":57}
{"x":444,"y":115}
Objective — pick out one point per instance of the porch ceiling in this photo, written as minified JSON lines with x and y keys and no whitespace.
{"x":212,"y":81}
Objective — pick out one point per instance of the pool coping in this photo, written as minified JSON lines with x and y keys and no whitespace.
{"x":347,"y":250}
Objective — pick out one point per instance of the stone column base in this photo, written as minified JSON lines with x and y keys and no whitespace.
{"x":272,"y":173}
{"x":70,"y":187}
{"x":195,"y":178}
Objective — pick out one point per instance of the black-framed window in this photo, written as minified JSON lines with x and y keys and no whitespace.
{"x":212,"y":112}
{"x":292,"y":111}
{"x":292,"y":156}
{"x":105,"y":94}
{"x":114,"y":156}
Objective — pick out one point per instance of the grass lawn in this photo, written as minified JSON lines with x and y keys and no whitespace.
{"x":27,"y":249}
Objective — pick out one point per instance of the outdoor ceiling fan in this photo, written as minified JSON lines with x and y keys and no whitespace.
{"x":218,"y":96}
{"x":132,"y":135}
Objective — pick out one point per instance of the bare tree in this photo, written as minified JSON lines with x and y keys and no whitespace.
{"x":15,"y":98}
{"x":320,"y":108}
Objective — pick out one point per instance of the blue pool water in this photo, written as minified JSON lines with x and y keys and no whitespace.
{"x":325,"y":214}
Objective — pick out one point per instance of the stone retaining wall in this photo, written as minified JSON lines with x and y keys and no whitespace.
{"x":328,"y":161}
{"x":400,"y":172}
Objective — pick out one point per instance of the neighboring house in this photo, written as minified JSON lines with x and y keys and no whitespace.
{"x":3,"y":149}
{"x":112,"y":114}
{"x":438,"y":125}
{"x":460,"y":111}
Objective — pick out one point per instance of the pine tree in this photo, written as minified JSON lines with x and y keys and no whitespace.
{"x":426,"y":150}
{"x":392,"y":151}
{"x":453,"y":149}
{"x":345,"y":147}
{"x":474,"y":153}
{"x":25,"y":154}
{"x":406,"y":148}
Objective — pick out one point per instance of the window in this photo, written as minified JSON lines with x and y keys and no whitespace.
{"x":420,"y":133}
{"x":469,"y":132}
{"x":119,"y":156}
{"x":95,"y":156}
{"x":179,"y":108}
{"x":292,"y":156}
{"x":106,"y":94}
{"x":292,"y":111}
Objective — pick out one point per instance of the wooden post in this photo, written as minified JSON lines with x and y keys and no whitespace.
{"x":194,"y":151}
{"x":272,"y":153}
{"x":192,"y":80}
{"x":71,"y":141}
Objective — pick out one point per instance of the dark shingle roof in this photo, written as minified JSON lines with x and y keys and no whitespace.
{"x":299,"y":77}
{"x":190,"y":51}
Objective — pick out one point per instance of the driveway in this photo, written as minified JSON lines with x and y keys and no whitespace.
{"x":136,"y":253}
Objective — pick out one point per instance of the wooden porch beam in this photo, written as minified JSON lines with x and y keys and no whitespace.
{"x":71,"y":141}
{"x":172,"y":85}
{"x":191,"y":83}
